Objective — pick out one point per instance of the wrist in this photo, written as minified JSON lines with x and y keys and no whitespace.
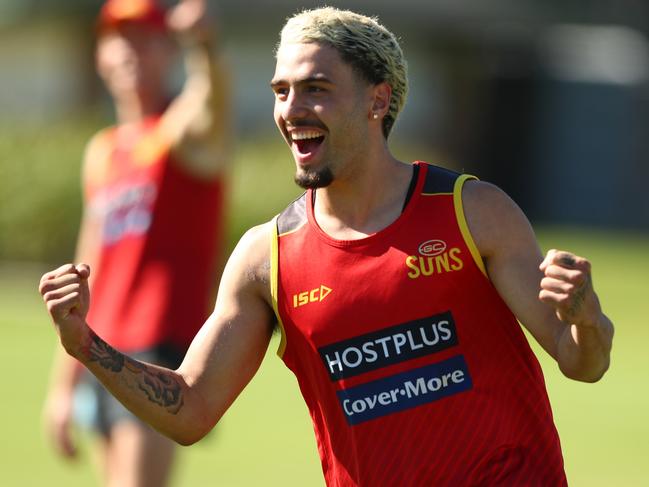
{"x":77,"y":346}
{"x":596,"y":333}
{"x":592,"y":320}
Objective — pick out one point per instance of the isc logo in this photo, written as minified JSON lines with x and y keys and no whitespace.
{"x":313,"y":296}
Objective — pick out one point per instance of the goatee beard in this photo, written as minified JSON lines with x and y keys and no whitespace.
{"x":314,"y":179}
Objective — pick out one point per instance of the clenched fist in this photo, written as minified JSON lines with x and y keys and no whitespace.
{"x":568,"y":288}
{"x":66,"y":295}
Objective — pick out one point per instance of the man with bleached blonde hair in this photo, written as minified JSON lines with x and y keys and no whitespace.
{"x":361,"y":41}
{"x":396,"y":287}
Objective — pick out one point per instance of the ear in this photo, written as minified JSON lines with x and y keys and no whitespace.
{"x":381,"y":94}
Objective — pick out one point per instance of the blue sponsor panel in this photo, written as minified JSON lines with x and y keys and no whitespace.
{"x":405,"y":390}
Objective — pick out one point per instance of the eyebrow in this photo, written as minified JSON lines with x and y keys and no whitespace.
{"x":318,"y":78}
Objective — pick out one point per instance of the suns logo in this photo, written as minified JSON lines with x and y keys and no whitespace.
{"x":434,"y":258}
{"x":431,"y":248}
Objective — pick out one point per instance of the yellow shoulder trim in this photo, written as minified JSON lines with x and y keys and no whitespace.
{"x":274,"y":275}
{"x":461,"y":221}
{"x":292,"y":231}
{"x":151,"y":146}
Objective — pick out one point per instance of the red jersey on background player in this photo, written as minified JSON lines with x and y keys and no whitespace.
{"x":161,"y":224}
{"x":396,"y":295}
{"x":153,"y":217}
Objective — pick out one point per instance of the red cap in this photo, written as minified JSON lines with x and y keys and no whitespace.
{"x":117,"y":12}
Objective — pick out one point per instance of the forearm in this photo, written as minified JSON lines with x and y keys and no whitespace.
{"x":206,"y":86}
{"x":584,"y":350}
{"x":159,"y":396}
{"x":194,"y":25}
{"x":196,"y":122}
{"x":200,"y":57}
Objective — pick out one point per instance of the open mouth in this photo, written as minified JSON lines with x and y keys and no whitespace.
{"x":306,"y":142}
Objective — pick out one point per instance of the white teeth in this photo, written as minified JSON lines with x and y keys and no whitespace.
{"x":306,"y":134}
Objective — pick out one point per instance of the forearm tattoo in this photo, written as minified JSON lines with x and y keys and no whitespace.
{"x":159,"y":388}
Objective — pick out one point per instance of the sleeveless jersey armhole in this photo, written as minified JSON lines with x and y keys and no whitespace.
{"x":461,"y":221}
{"x":274,"y":281}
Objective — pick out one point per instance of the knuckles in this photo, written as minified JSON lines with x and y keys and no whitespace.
{"x":568,"y":287}
{"x":575,"y":277}
{"x":555,"y":299}
{"x":558,"y":285}
{"x":52,"y":285}
{"x":58,"y":293}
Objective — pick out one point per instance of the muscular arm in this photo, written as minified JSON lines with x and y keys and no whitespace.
{"x":197,"y":121}
{"x":554,"y":301}
{"x":183,"y":404}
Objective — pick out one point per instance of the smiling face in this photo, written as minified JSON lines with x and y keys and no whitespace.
{"x":321,"y":109}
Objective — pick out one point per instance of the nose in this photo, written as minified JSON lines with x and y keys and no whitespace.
{"x":292,"y":107}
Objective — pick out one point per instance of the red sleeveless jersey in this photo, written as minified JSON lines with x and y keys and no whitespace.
{"x":414,"y":370}
{"x":161,"y":230}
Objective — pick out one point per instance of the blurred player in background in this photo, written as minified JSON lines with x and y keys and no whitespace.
{"x":153,"y":219}
{"x":396,"y":287}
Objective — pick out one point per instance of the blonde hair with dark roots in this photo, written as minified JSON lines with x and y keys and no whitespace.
{"x":371,"y":49}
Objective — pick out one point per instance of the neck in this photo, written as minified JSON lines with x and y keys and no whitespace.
{"x":366,"y":201}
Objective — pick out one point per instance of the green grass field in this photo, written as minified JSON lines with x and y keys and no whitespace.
{"x":266,"y":438}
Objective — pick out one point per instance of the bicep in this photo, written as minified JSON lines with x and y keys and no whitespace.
{"x":230,"y":347}
{"x":512,"y":256}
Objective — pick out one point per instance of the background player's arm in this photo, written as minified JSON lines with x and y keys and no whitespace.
{"x":197,"y":121}
{"x":66,"y":370}
{"x":572,"y":329}
{"x":95,"y":167}
{"x":183,"y":404}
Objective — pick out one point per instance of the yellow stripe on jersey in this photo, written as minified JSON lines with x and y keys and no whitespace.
{"x":292,"y":231}
{"x":274,"y":276}
{"x":461,"y":220}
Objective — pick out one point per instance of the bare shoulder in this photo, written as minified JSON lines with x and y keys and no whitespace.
{"x":99,"y":144}
{"x":494,"y":219}
{"x":96,"y":156}
{"x":251,"y":258}
{"x":255,"y":244}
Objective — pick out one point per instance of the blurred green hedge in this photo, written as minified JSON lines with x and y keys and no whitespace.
{"x":40,"y":197}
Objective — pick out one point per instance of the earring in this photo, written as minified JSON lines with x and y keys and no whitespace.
{"x":375,"y":116}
